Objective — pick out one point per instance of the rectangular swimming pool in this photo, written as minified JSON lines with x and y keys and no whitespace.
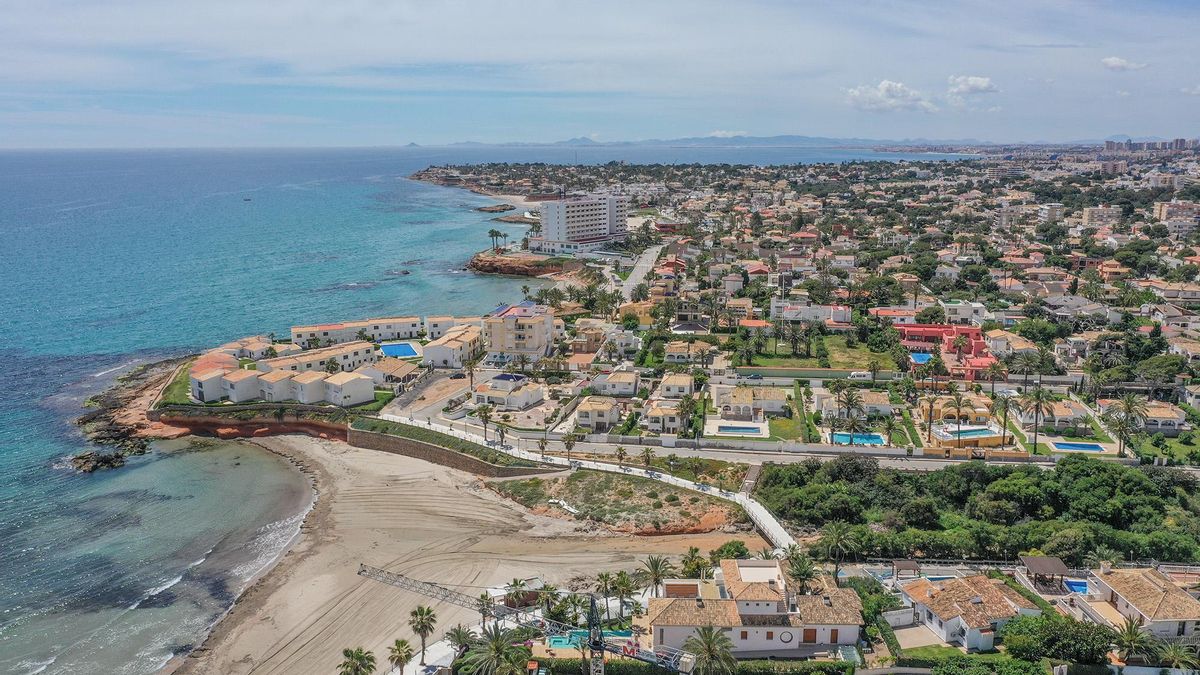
{"x":730,"y":429}
{"x":1079,"y":447}
{"x":1076,"y":585}
{"x":843,"y":438}
{"x":920,"y":358}
{"x":974,"y":433}
{"x":399,"y":350}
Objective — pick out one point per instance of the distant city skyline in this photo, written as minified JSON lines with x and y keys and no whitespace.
{"x":135,"y":73}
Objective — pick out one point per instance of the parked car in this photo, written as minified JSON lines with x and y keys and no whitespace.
{"x":458,"y":376}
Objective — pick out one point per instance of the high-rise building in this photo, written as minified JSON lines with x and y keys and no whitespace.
{"x":1050,"y":213}
{"x":522,"y":329}
{"x":581,"y":223}
{"x":1176,"y":210}
{"x":1095,"y":216}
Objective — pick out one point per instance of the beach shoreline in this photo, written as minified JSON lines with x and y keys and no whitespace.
{"x":409,"y":516}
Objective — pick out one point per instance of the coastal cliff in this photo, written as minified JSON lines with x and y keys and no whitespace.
{"x":516,"y":264}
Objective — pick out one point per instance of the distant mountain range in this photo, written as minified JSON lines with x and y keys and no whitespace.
{"x":793,"y":141}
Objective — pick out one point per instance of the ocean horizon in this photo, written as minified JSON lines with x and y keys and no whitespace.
{"x":114,"y":257}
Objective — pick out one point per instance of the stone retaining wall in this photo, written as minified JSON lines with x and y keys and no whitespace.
{"x":431,"y":453}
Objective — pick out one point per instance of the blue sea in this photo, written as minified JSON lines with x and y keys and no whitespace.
{"x":112,"y":258}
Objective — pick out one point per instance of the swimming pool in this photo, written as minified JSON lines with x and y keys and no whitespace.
{"x":1079,"y":447}
{"x":731,"y":429}
{"x":571,"y":640}
{"x":974,"y":433}
{"x":844,"y":438}
{"x":920,"y":358}
{"x":1076,"y":585}
{"x":399,"y":350}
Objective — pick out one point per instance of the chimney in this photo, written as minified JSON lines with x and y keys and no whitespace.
{"x":825,"y":599}
{"x":1105,"y":567}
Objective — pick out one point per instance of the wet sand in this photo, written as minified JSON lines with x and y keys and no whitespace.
{"x":423,"y":520}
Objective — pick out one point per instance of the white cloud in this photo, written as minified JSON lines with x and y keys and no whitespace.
{"x":721,"y":133}
{"x":1122,"y":93}
{"x":964,"y":85}
{"x":1191,"y":91}
{"x":888,"y":96}
{"x":1118,"y":63}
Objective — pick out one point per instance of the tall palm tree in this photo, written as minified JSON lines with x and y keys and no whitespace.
{"x":624,"y":586}
{"x":959,"y":403}
{"x":1125,"y":417}
{"x":930,"y":399}
{"x":713,"y":651}
{"x":487,"y":605}
{"x":874,"y":366}
{"x":357,"y":661}
{"x":1131,"y":640}
{"x":542,"y":443}
{"x":691,"y":560}
{"x":838,"y":542}
{"x":855,"y":425}
{"x":655,"y":570}
{"x":484,"y":413}
{"x":399,"y":654}
{"x":568,"y":442}
{"x":1000,"y":407}
{"x":959,"y":345}
{"x":621,"y":454}
{"x":889,"y":427}
{"x":1026,"y":363}
{"x":801,"y":570}
{"x":422,"y":621}
{"x":1037,"y":401}
{"x":604,"y":583}
{"x":497,"y":651}
{"x":995,"y":371}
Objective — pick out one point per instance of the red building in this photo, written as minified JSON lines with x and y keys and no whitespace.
{"x":970,"y":363}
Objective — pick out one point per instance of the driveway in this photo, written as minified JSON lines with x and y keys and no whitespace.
{"x":917,"y":636}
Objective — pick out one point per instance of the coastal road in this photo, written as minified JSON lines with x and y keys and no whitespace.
{"x":641,"y":269}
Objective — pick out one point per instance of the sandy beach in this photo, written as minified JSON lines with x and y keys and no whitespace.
{"x":409,"y":516}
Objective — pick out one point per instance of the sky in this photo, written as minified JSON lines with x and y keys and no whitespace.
{"x":227,"y":73}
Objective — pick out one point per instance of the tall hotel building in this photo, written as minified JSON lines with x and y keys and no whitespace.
{"x":581,"y":223}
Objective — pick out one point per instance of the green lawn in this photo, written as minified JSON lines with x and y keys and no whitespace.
{"x":1098,"y":431}
{"x":624,"y":274}
{"x":1024,"y":442}
{"x":247,"y":364}
{"x":786,"y":428}
{"x":942,"y":653}
{"x":382,"y":398}
{"x":840,"y":356}
{"x":1182,"y":452}
{"x":441,"y":440}
{"x":911,"y":427}
{"x":179,"y":390}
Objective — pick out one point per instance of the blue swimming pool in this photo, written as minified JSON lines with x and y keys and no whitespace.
{"x":399,"y":350}
{"x":843,"y":438}
{"x":920,"y":358}
{"x":973,"y":433}
{"x":1080,"y":447}
{"x":1076,"y":585}
{"x":734,"y":429}
{"x":572,"y":639}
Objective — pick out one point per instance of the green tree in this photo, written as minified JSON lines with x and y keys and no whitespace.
{"x":801,"y":570}
{"x":1125,"y":417}
{"x":422,"y":621}
{"x":713,"y":651}
{"x":655,"y":570}
{"x":838,"y":542}
{"x":400,"y":653}
{"x":604,"y":583}
{"x":1037,"y":402}
{"x":624,"y":587}
{"x":497,"y":651}
{"x":484,"y":414}
{"x":1130,"y":640}
{"x":331,"y":366}
{"x":357,"y":661}
{"x":460,"y":637}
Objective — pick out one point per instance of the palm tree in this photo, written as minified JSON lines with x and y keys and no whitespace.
{"x":1176,"y":655}
{"x":1131,"y":640}
{"x":484,"y":413}
{"x":487,"y":605}
{"x":929,"y":398}
{"x":838,"y":542}
{"x":713,"y":651}
{"x":647,"y":457}
{"x":855,"y":425}
{"x":959,"y":403}
{"x":874,"y":366}
{"x":655,"y":570}
{"x":514,"y":590}
{"x":687,"y":406}
{"x":604,"y":583}
{"x":460,"y":637}
{"x":1026,"y":363}
{"x":400,"y":653}
{"x":494,"y":234}
{"x":498,"y":651}
{"x":1037,"y":401}
{"x":357,"y":661}
{"x":999,"y":408}
{"x":422,"y":621}
{"x":959,"y":345}
{"x":1125,"y":417}
{"x":691,"y":560}
{"x":621,"y":454}
{"x":624,"y":586}
{"x":802,"y":570}
{"x":889,"y":427}
{"x":568,"y":442}
{"x":542,"y":447}
{"x":995,"y":371}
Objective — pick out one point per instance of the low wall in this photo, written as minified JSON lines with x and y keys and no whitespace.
{"x":898,"y":618}
{"x":255,"y":427}
{"x":399,"y":445}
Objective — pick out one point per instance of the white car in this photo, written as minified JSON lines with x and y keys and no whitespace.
{"x":859,"y":375}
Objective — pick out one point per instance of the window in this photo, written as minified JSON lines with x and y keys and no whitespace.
{"x":744,"y":634}
{"x":770,"y":635}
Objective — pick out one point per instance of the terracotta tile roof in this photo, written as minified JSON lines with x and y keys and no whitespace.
{"x":1152,"y":594}
{"x":833,"y":607}
{"x":740,"y":589}
{"x":978,"y":600}
{"x":693,"y":612}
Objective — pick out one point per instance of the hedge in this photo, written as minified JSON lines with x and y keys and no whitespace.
{"x":889,"y":637}
{"x":1025,"y":592}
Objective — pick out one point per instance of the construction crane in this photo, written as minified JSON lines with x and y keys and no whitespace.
{"x":670,"y":658}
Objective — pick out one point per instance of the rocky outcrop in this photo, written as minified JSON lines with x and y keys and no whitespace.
{"x":496,"y":208}
{"x":91,"y":460}
{"x":517,"y":220}
{"x":515,"y":264}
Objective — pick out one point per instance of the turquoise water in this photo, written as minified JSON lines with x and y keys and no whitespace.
{"x":727,"y":429}
{"x":1082,"y":447}
{"x":570,"y":640}
{"x":920,"y":358}
{"x":1076,"y":585}
{"x":400,"y":350}
{"x":111,"y":258}
{"x":972,"y":433}
{"x":843,"y":438}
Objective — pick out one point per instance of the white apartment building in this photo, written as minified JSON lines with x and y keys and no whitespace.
{"x":348,"y":356}
{"x":390,"y":328}
{"x":1096,"y":216}
{"x":581,"y":223}
{"x":459,"y":345}
{"x":750,"y":601}
{"x":803,"y":310}
{"x":1051,"y":213}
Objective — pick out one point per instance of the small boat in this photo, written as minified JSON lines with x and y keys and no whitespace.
{"x":245,"y":199}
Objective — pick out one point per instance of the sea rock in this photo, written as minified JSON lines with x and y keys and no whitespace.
{"x":90,"y":461}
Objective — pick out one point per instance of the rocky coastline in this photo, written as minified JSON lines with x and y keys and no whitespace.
{"x":515,"y":264}
{"x":109,"y":425}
